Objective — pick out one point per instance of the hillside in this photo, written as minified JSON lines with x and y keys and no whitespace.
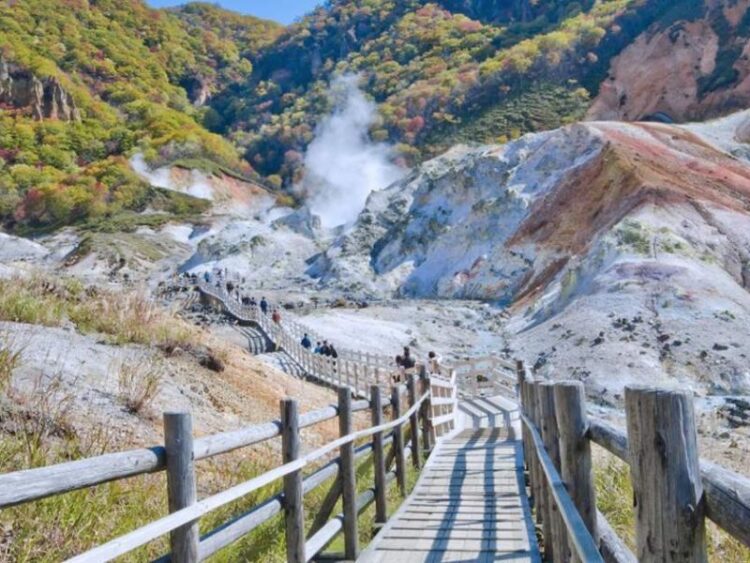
{"x":649,"y":263}
{"x":454,"y":71}
{"x":84,"y":87}
{"x":83,"y":90}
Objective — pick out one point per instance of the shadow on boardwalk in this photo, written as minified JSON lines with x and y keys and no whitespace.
{"x":470,"y":503}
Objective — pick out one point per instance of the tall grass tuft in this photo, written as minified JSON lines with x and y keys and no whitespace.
{"x":139,"y":383}
{"x":10,"y":358}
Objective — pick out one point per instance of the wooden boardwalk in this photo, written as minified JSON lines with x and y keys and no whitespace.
{"x":469,"y":504}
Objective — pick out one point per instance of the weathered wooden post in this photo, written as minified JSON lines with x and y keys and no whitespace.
{"x":551,"y":438}
{"x":428,"y":437}
{"x":664,"y":466}
{"x":537,"y":479}
{"x":528,"y":446}
{"x":414,"y":420}
{"x":545,"y":511}
{"x":181,"y":486}
{"x":381,"y":507}
{"x":398,"y":439}
{"x":523,"y":400}
{"x":348,"y":477}
{"x":576,"y":468}
{"x":294,"y":515}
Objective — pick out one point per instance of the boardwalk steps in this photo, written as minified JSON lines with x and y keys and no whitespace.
{"x":470,"y":502}
{"x":258,"y":341}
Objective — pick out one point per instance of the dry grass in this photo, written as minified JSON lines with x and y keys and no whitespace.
{"x":123,"y":317}
{"x":10,"y":358}
{"x":138,"y":384}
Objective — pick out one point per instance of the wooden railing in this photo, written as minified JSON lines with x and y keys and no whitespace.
{"x":674,"y":491}
{"x":484,"y":376}
{"x":411,"y":433}
{"x":353,"y":369}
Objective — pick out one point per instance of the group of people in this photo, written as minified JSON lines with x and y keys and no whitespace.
{"x":324,"y":349}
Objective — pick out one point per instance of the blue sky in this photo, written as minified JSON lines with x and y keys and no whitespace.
{"x":284,"y":11}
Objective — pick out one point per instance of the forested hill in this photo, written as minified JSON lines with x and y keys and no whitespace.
{"x":442,"y":71}
{"x":85,"y":84}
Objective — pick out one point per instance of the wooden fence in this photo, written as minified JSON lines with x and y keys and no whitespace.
{"x":411,"y":433}
{"x":674,"y":491}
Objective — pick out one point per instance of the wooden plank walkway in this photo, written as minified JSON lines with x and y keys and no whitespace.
{"x":470,"y":503}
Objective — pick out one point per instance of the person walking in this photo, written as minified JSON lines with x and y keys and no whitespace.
{"x":264,"y":306}
{"x":306,"y":344}
{"x":276,"y":316}
{"x":406,"y":360}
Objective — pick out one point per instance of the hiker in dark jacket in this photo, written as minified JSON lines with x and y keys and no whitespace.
{"x":406,"y":360}
{"x":306,"y":344}
{"x":332,"y":350}
{"x":326,"y":349}
{"x":264,"y":306}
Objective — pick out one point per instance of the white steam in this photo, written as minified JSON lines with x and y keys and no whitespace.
{"x":195,"y":184}
{"x":342,"y":164}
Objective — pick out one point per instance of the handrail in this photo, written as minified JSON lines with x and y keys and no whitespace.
{"x":127,"y":542}
{"x":727,"y":492}
{"x":661,"y":424}
{"x":34,"y":484}
{"x":584,"y":544}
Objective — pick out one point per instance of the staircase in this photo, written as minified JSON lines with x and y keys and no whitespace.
{"x":257,"y":341}
{"x":284,"y":362}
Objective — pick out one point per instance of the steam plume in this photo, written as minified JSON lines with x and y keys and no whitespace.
{"x":342,"y":164}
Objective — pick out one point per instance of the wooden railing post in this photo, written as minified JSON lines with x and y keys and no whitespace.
{"x":294,"y":515}
{"x":664,"y":466}
{"x":528,"y":452}
{"x":348,"y":476}
{"x":414,"y":421}
{"x":544,"y":513}
{"x":426,"y":412}
{"x":181,"y":487}
{"x":381,"y":507}
{"x":551,"y":439}
{"x":576,"y":468}
{"x":398,"y":440}
{"x":523,"y":401}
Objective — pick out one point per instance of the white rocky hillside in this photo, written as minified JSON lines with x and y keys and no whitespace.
{"x":623,"y":250}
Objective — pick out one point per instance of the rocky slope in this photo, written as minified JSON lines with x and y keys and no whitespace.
{"x":625,"y":243}
{"x":692,"y":69}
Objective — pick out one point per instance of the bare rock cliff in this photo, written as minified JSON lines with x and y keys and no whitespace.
{"x":688,"y":71}
{"x":42,"y":98}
